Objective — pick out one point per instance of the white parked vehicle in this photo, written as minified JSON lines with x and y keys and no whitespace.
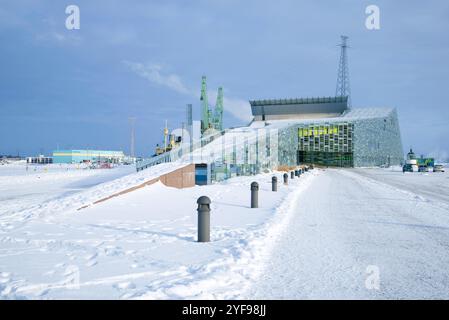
{"x":412,"y":164}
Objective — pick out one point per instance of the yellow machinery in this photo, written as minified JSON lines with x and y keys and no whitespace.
{"x":172,"y":142}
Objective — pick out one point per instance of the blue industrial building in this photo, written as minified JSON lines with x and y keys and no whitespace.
{"x":79,"y":156}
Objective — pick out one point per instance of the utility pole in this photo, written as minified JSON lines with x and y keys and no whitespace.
{"x":132,"y":122}
{"x":190,"y":128}
{"x":343,"y":88}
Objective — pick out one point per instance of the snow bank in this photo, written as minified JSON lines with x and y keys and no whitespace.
{"x":14,"y":215}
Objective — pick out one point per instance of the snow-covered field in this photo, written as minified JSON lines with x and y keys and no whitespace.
{"x":143,"y":244}
{"x":49,"y":189}
{"x":322,"y":236}
{"x":25,"y":186}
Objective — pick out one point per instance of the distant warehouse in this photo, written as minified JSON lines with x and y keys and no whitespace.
{"x":79,"y":156}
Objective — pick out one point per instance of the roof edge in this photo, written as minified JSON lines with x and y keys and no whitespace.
{"x":312,"y":100}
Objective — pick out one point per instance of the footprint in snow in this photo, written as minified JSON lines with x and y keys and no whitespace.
{"x":91,"y":256}
{"x":91,"y":263}
{"x":127,"y":295}
{"x":49,"y":273}
{"x":125,"y":285}
{"x":8,"y":290}
{"x":99,"y":244}
{"x":42,"y":292}
{"x":4,"y":281}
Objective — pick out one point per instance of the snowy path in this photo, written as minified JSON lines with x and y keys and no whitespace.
{"x":432,"y":186}
{"x":345,"y":223}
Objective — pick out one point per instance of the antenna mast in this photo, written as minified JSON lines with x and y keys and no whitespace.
{"x":343,"y":87}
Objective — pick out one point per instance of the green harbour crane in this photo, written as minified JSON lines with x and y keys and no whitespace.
{"x":205,"y":112}
{"x":211,"y":120}
{"x":218,"y":112}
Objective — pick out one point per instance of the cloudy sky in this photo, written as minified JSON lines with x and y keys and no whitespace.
{"x":76,"y":88}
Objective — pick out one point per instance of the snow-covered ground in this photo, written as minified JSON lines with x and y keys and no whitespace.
{"x":143,"y":244}
{"x":324,"y":235}
{"x":431,"y":185}
{"x":364,"y":234}
{"x":49,"y":189}
{"x":24,"y":186}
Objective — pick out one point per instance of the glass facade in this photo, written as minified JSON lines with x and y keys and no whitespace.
{"x":366,"y":138}
{"x":377,"y":141}
{"x":361,"y":137}
{"x":333,"y":159}
{"x":246,"y":152}
{"x":232,"y":152}
{"x":328,"y":144}
{"x":78,"y":156}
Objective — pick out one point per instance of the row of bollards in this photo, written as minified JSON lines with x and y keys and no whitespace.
{"x":204,"y":203}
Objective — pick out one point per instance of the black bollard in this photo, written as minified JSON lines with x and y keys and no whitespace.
{"x":203,"y":219}
{"x":285,"y":178}
{"x":292,"y":175}
{"x":254,"y":195}
{"x":274,"y":183}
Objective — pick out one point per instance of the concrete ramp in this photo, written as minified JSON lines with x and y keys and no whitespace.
{"x":180,"y":178}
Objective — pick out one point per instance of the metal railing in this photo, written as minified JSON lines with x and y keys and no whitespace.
{"x":240,"y":152}
{"x":180,"y":152}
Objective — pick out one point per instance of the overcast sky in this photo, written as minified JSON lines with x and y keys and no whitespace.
{"x":76,"y":88}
